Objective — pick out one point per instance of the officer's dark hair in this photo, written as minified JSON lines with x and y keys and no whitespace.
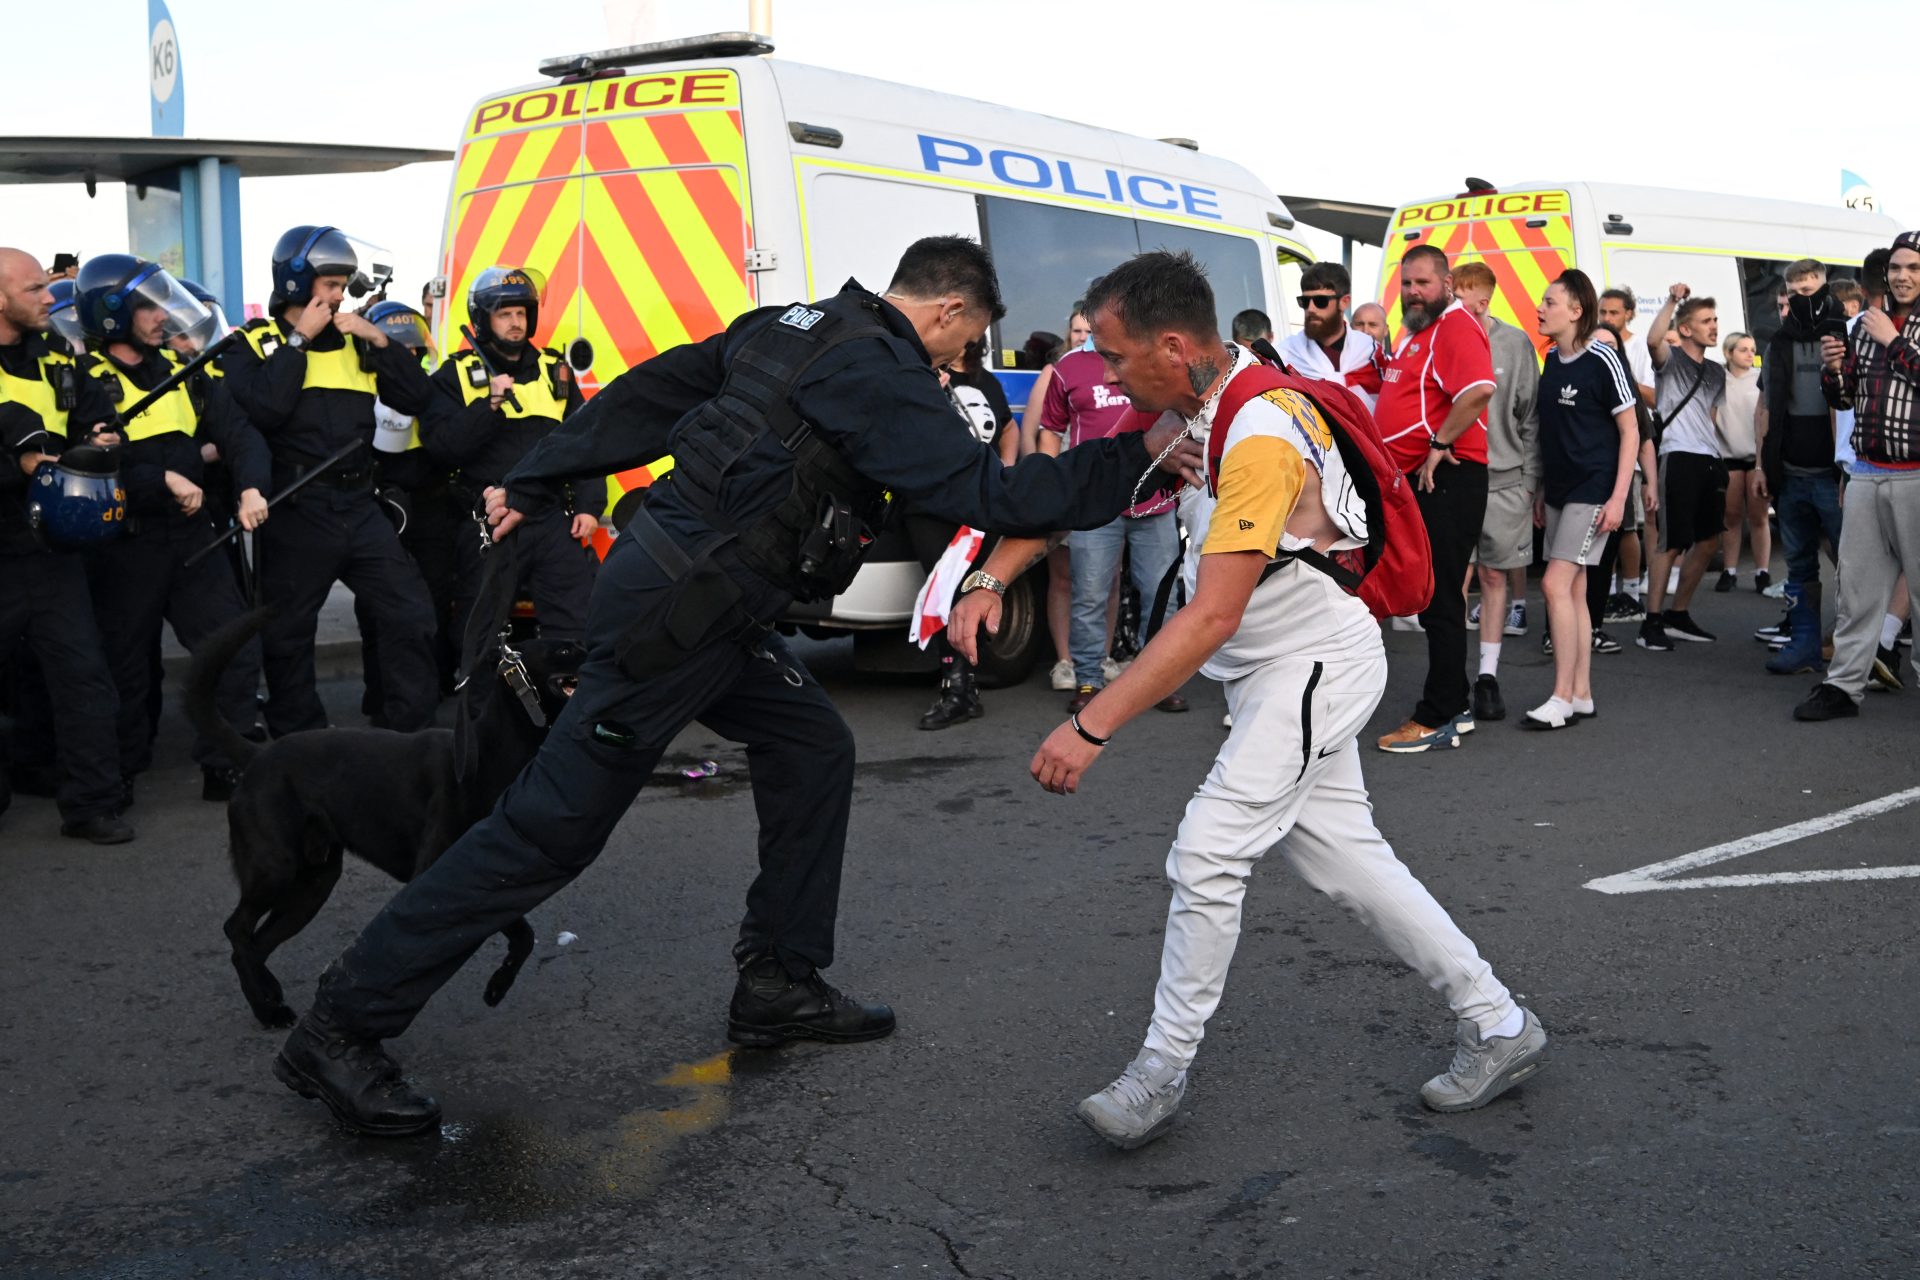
{"x":1873,"y":273}
{"x":1250,"y":324}
{"x":1156,"y":293}
{"x":1420,"y":251}
{"x":1327,"y":275}
{"x":942,"y":265}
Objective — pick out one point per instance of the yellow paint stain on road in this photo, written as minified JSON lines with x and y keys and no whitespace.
{"x":644,"y":1140}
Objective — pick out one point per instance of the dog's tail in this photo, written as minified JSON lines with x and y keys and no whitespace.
{"x":203,"y":683}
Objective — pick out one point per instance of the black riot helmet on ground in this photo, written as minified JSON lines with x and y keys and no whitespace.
{"x":498,"y":287}
{"x":114,"y":287}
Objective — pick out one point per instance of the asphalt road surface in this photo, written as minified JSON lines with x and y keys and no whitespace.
{"x":1731,"y":1089}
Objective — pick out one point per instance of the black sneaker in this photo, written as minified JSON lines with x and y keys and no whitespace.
{"x":1727,"y":581}
{"x":360,"y":1084}
{"x":1487,"y":702}
{"x":1905,"y":638}
{"x":1762,"y":579}
{"x":1546,"y":641}
{"x":1681,"y":626}
{"x":770,"y":1008}
{"x":1826,"y":702}
{"x":1774,"y":630}
{"x":1653,"y":636}
{"x":1886,"y":670}
{"x":108,"y":828}
{"x":1623,"y":608}
{"x":1604,"y":643}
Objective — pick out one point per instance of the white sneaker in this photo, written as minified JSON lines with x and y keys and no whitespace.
{"x":1110,"y":670}
{"x":1061,"y":676}
{"x":1226,"y":721}
{"x":1140,"y":1105}
{"x":1408,"y":623}
{"x":1482,"y":1069}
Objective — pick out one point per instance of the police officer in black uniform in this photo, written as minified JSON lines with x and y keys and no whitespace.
{"x":489,"y":436}
{"x":308,"y":379}
{"x":792,"y":432}
{"x":43,"y":402}
{"x":130,"y":310}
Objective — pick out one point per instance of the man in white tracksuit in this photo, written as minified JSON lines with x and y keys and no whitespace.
{"x":1304,"y":669}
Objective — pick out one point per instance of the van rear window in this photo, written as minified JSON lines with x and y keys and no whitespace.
{"x":1048,"y":254}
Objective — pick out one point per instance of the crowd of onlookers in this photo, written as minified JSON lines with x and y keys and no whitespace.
{"x":1627,"y":459}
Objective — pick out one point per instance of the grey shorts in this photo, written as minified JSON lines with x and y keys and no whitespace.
{"x":1573,"y":533}
{"x":1506,"y":531}
{"x":1636,"y":516}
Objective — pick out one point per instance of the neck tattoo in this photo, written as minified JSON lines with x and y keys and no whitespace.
{"x":1201,"y":373}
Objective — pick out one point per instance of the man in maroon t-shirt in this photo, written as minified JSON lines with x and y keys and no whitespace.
{"x":1432,"y":416}
{"x":1084,"y":405}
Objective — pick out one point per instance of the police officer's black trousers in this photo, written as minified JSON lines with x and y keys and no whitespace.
{"x":557,"y":815}
{"x":315,"y":538}
{"x":45,"y":601}
{"x":435,"y":521}
{"x":555,"y":569}
{"x":141,"y":581}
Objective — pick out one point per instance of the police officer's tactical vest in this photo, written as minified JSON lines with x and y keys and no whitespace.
{"x":544,"y":397}
{"x":812,"y":543}
{"x":341,"y":370}
{"x":175,"y":411}
{"x":51,"y":396}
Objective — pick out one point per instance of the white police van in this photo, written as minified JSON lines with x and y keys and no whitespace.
{"x":675,"y":185}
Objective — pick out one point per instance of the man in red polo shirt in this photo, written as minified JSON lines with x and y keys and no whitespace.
{"x":1432,"y":416}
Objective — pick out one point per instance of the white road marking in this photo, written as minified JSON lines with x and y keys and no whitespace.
{"x":1659,"y":874}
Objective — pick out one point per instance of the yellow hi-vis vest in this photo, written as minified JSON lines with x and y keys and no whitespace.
{"x":326,"y":370}
{"x":537,"y":398}
{"x":172,"y":412}
{"x":38,"y":394}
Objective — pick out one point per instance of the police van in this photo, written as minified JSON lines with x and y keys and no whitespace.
{"x":1734,"y":249}
{"x":664,"y":189}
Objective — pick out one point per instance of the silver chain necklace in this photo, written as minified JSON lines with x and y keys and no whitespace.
{"x":1185,"y":432}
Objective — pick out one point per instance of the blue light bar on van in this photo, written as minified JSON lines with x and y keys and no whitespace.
{"x":721,"y":44}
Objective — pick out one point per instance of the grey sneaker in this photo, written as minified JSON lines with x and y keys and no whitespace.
{"x":1482,"y":1070}
{"x":1140,"y":1105}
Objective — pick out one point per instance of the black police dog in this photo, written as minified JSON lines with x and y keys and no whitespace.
{"x":394,"y":799}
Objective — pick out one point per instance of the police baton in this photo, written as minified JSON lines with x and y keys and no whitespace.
{"x":275,"y":499}
{"x":175,"y":378}
{"x":466,"y":331}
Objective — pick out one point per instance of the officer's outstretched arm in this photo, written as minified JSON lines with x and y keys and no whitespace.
{"x":628,"y":423}
{"x":897,"y":428}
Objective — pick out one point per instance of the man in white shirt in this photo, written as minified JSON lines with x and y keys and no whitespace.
{"x":1327,"y":347}
{"x":1690,"y":388}
{"x":1617,"y":308}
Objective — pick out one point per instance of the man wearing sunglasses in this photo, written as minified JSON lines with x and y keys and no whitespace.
{"x":1326,"y":346}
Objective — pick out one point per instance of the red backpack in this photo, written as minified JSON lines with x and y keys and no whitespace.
{"x":1393,"y":573}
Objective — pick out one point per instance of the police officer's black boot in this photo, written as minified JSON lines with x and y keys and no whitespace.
{"x":360,"y":1084}
{"x":771,"y":1007}
{"x":217,"y":782}
{"x":959,"y":699}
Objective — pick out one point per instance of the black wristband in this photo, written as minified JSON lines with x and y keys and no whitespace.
{"x":1081,"y":729}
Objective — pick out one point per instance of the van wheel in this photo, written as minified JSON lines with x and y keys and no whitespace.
{"x":1008,"y":658}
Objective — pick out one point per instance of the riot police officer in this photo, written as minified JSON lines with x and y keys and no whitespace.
{"x":792,"y":433}
{"x":130,"y":311}
{"x":43,"y":402}
{"x":308,"y":379}
{"x":419,"y":493}
{"x":491,"y":433}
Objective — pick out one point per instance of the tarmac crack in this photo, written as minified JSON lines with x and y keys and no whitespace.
{"x":844,"y":1201}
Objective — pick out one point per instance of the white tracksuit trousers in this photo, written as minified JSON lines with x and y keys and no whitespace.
{"x":1289,"y":775}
